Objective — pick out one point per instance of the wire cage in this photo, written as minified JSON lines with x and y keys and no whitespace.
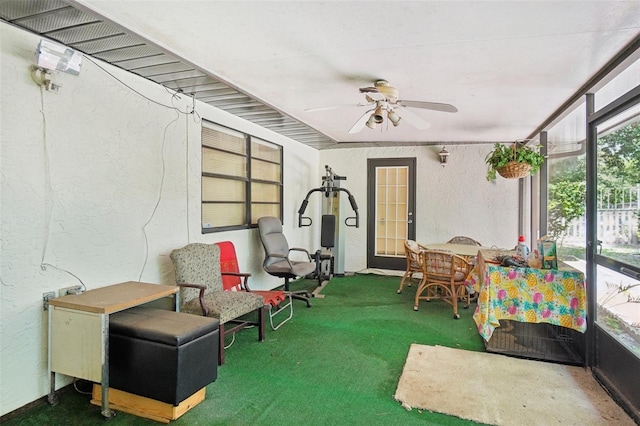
{"x":545,"y":342}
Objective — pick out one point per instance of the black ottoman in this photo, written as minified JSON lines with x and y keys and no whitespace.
{"x":162,"y":355}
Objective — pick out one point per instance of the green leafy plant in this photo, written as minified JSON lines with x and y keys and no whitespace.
{"x":566,"y":203}
{"x":504,"y":154}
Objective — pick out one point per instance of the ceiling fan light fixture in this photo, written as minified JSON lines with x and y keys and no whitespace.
{"x":377,"y":115}
{"x":371,"y":122}
{"x":393,"y":117}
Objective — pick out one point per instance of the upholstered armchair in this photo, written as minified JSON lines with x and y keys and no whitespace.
{"x":197,"y":268}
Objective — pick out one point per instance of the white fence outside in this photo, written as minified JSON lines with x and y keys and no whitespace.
{"x":618,"y":212}
{"x":615,"y":227}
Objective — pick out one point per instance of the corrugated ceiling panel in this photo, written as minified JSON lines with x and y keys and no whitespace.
{"x":61,"y":22}
{"x":150,"y":61}
{"x":142,"y":50}
{"x":17,"y":9}
{"x":52,"y":21}
{"x":158,"y":70}
{"x":110,"y":43}
{"x":92,"y":31}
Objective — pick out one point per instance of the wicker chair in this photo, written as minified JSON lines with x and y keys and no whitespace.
{"x":463,"y":240}
{"x":443,"y":277}
{"x":198,"y":274}
{"x":412,"y":251}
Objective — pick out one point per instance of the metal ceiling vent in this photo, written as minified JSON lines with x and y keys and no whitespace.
{"x":89,"y":34}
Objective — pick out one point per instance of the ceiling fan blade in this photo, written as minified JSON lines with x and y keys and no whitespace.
{"x":413,"y":119}
{"x":369,"y":90}
{"x":359,"y":125}
{"x":428,"y":105}
{"x":327,"y":108}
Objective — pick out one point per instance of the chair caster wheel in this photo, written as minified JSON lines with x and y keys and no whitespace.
{"x":399,"y":291}
{"x":456,"y":316}
{"x":415,"y":308}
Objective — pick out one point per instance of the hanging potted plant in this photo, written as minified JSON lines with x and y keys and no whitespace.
{"x":513,"y":162}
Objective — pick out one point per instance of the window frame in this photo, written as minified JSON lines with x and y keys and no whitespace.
{"x":249,"y":178}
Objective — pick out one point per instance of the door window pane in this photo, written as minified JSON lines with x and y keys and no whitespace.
{"x":618,"y":227}
{"x":391,"y":213}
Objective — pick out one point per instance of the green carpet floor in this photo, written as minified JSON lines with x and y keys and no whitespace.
{"x":336,"y":363}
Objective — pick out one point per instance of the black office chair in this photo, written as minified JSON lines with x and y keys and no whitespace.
{"x":277,"y":261}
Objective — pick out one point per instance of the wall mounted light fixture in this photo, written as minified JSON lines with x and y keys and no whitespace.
{"x":53,"y":56}
{"x":444,"y":156}
{"x":42,"y":77}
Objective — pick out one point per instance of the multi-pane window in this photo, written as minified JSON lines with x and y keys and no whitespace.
{"x":241,"y":179}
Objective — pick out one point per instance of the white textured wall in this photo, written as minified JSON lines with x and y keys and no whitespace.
{"x":100,"y":183}
{"x":454,"y":200}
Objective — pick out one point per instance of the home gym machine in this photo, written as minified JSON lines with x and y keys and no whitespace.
{"x":330,"y":258}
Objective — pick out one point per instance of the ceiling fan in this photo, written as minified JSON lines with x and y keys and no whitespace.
{"x":384,"y":98}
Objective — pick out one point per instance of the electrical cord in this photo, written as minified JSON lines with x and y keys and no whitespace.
{"x":47,"y":169}
{"x":86,"y":382}
{"x":131,"y":88}
{"x":233,"y":339}
{"x":197,"y":119}
{"x":44,"y":268}
{"x":47,"y":172}
{"x":174,"y":95}
{"x":155,"y":208}
{"x":186,"y":178}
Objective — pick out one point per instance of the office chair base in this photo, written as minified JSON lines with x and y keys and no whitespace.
{"x":300,"y":295}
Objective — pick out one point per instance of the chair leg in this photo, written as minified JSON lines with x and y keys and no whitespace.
{"x":221,"y":345}
{"x":421,"y":287}
{"x":454,"y":301}
{"x":300,"y":295}
{"x":261,"y":324}
{"x":409,"y":275}
{"x":280,"y":309}
{"x":466,"y":295}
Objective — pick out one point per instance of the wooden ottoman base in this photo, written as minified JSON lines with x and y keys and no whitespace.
{"x":146,"y":407}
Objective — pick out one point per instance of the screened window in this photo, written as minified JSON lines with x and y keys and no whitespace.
{"x":241,"y":179}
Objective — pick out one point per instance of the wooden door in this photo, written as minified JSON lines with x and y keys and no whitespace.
{"x":391,"y":220}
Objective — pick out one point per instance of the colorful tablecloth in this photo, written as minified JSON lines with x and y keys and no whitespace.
{"x":527,"y":295}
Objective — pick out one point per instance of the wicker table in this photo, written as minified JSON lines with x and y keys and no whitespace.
{"x":467,"y":251}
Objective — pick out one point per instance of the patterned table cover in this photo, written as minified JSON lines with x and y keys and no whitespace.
{"x":527,"y":295}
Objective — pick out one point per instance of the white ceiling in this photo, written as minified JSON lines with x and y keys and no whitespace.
{"x":506,"y":66}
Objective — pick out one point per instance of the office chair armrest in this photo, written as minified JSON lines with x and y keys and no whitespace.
{"x":244,"y":275}
{"x":202,"y":288}
{"x":279,"y":256}
{"x":302,"y":250}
